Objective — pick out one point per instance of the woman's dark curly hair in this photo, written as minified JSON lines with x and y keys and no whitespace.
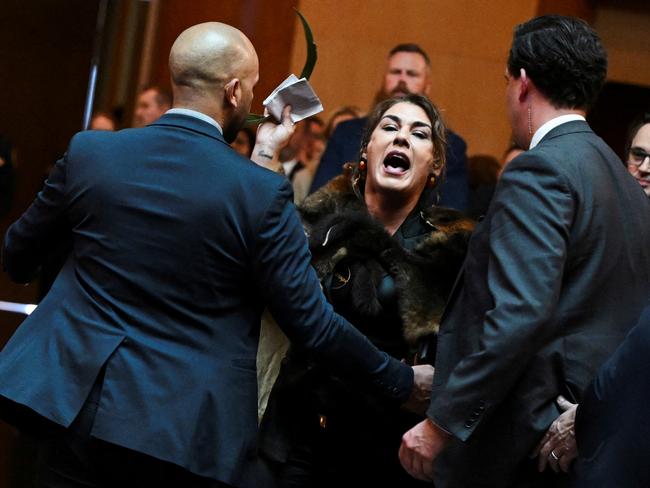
{"x":438,"y":137}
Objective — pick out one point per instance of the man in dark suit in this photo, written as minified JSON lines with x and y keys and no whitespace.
{"x":611,"y":425}
{"x":141,"y":359}
{"x":555,"y":275}
{"x":408,"y":70}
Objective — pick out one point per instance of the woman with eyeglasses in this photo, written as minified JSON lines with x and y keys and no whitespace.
{"x":637,"y":151}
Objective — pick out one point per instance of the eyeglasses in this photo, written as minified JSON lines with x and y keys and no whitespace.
{"x":637,"y":156}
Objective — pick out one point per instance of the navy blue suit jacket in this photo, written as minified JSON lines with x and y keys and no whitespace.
{"x":612,"y":426}
{"x":343,"y":146}
{"x":555,"y":276}
{"x":178,"y":245}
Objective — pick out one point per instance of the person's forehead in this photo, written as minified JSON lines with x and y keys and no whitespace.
{"x":407,"y":60}
{"x":642,"y":136}
{"x":408,"y":112}
{"x":147,"y":95}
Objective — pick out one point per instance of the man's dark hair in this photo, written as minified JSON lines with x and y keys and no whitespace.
{"x":410,"y":48}
{"x":563,"y":56}
{"x":636,"y":124}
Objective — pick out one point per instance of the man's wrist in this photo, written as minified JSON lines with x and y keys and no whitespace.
{"x":444,"y":433}
{"x":266,"y":157}
{"x":265,"y":152}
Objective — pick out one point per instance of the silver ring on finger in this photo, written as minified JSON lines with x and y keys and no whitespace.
{"x":554,"y":456}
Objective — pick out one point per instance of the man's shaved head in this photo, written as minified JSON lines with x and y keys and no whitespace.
{"x":210,"y":54}
{"x":213,"y":69}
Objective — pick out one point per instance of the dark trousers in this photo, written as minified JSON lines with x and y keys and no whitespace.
{"x":71,"y":458}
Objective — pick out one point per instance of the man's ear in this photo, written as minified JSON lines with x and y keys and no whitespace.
{"x":232,"y":92}
{"x":524,"y":85}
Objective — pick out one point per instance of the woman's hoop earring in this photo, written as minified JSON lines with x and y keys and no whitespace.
{"x":362,"y":165}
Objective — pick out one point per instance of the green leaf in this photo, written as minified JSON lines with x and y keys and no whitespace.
{"x":310,"y":63}
{"x":254,"y":119}
{"x":312,"y":52}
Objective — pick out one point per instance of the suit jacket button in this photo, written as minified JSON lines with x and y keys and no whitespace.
{"x":468,"y":424}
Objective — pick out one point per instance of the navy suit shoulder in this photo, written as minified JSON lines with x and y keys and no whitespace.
{"x":342,"y":147}
{"x":454,"y":192}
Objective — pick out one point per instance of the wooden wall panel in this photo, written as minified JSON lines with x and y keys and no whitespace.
{"x":269,"y":26}
{"x":45,"y":47}
{"x":626,"y":35}
{"x":467,"y":41}
{"x":577,"y":8}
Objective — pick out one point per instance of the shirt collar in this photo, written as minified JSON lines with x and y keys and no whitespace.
{"x":550,"y":125}
{"x":196,"y":115}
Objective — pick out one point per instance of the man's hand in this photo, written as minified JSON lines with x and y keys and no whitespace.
{"x":271,"y":138}
{"x":558,"y":446}
{"x":421,"y":394}
{"x":420,"y":447}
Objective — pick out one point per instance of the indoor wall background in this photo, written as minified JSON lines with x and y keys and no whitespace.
{"x":467,"y":41}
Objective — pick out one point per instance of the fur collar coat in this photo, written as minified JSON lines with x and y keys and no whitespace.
{"x":351,"y":249}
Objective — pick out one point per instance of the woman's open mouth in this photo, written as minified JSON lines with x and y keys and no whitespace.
{"x":396,"y":163}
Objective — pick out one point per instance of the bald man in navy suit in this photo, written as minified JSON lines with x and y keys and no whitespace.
{"x":140,"y":361}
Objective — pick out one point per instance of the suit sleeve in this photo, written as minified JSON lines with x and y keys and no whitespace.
{"x":619,"y":389}
{"x":29,"y":240}
{"x":294,"y":297}
{"x":455,"y":189}
{"x":332,"y":160}
{"x":529,"y":231}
